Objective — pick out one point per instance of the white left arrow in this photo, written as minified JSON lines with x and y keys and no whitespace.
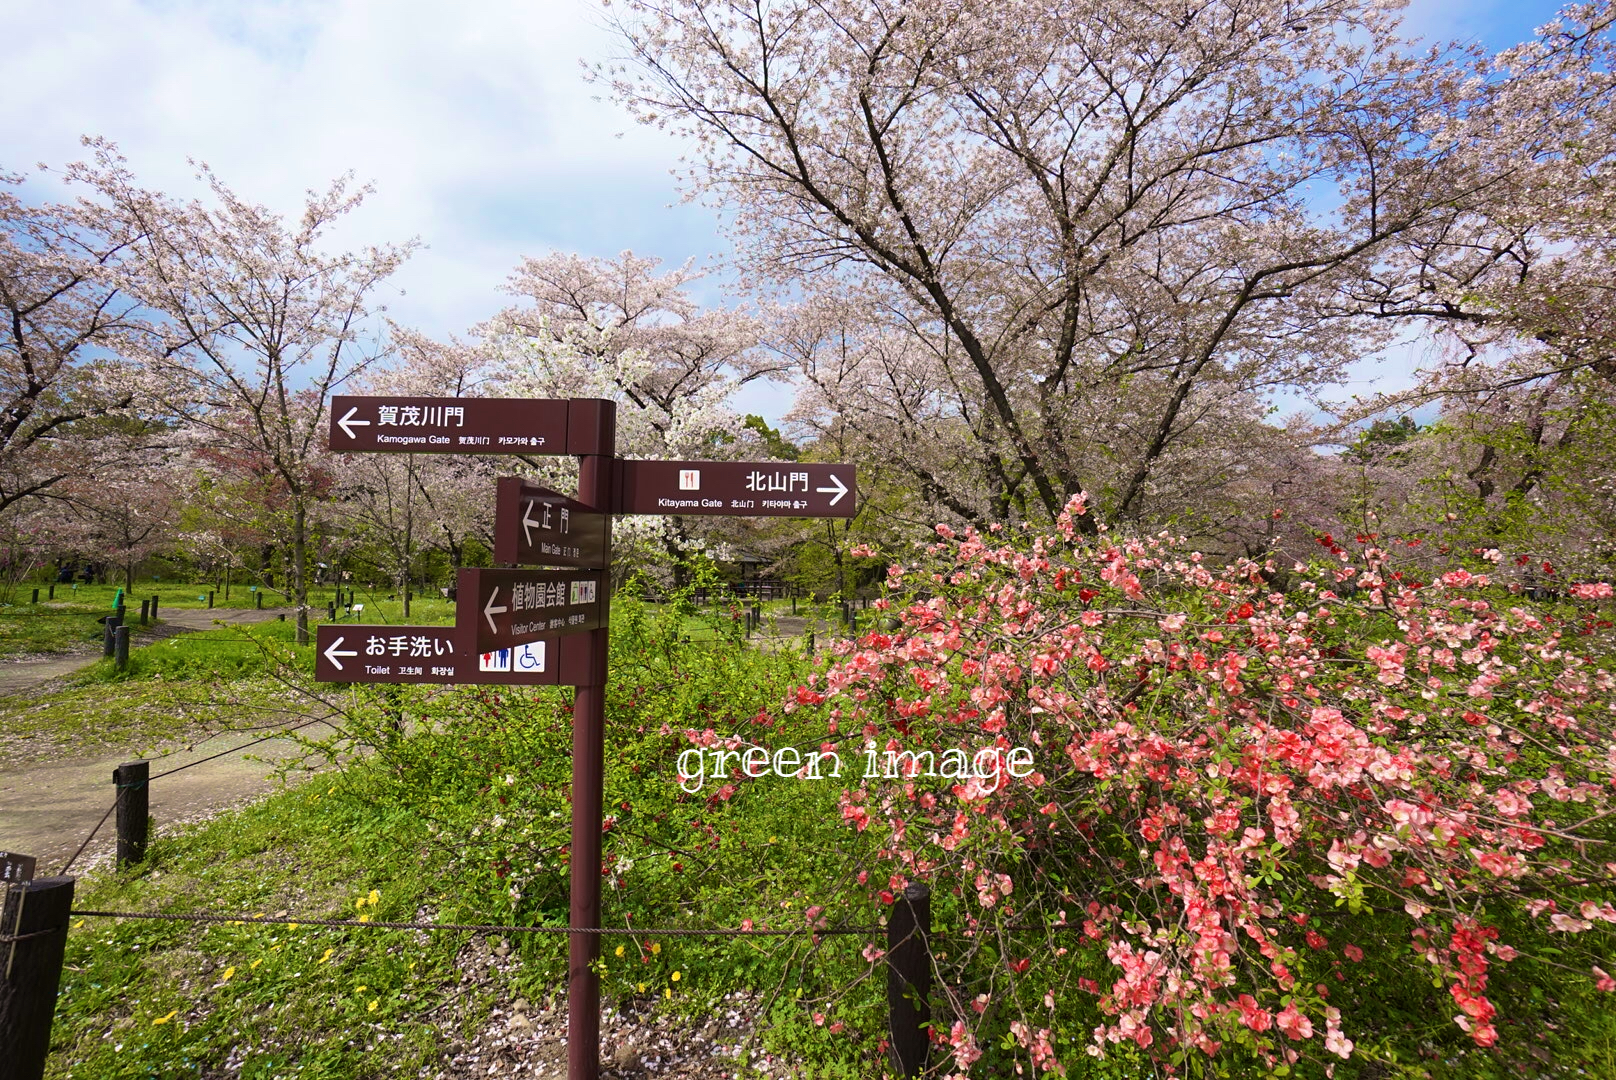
{"x":332,"y":652}
{"x":489,"y":611}
{"x":528,"y":524}
{"x":348,"y":423}
{"x":840,"y":489}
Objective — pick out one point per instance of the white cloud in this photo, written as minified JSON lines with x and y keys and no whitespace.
{"x":474,"y":123}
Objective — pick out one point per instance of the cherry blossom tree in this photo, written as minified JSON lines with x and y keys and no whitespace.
{"x":62,"y":312}
{"x":1079,"y":233}
{"x":255,"y":326}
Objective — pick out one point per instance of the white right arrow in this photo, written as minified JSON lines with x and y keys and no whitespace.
{"x":528,"y":524}
{"x":348,"y":423}
{"x":840,"y":489}
{"x":489,"y":611}
{"x":332,"y":652}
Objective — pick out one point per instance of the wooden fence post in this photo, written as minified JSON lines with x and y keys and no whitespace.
{"x":52,"y":594}
{"x":36,"y":596}
{"x":154,"y":609}
{"x":120,"y":648}
{"x":33,"y":937}
{"x":260,"y":598}
{"x":109,"y":634}
{"x":145,"y":610}
{"x":210,"y":599}
{"x":909,"y":979}
{"x":133,"y":799}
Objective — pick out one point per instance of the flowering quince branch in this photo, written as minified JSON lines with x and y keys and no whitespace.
{"x":1220,"y":763}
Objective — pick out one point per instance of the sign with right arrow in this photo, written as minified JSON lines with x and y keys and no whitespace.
{"x":737,"y":488}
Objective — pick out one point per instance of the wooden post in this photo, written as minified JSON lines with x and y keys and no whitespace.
{"x":109,"y":635}
{"x":120,"y":648}
{"x":331,"y":612}
{"x":810,"y":643}
{"x":134,"y":798}
{"x":154,"y":609}
{"x":52,"y":594}
{"x":33,"y":937}
{"x":145,"y":610}
{"x":260,"y":597}
{"x":36,"y":596}
{"x":909,"y":979}
{"x":210,"y":599}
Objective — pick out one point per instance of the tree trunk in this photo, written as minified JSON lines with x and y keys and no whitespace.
{"x":300,"y":581}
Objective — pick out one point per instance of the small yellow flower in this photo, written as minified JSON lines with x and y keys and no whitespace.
{"x":372,"y":1006}
{"x":640,"y":988}
{"x":619,"y":951}
{"x":412,"y":965}
{"x":331,"y":789}
{"x":675,"y":976}
{"x":78,"y":924}
{"x":360,"y":989}
{"x":375,"y":898}
{"x":327,"y":955}
{"x":254,"y":965}
{"x":229,"y":971}
{"x":365,"y":917}
{"x":165,"y":1019}
{"x":359,"y":903}
{"x":667,"y":993}
{"x":291,"y":926}
{"x":656,"y":948}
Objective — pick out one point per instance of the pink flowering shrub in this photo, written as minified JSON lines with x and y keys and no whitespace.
{"x":1244,"y":806}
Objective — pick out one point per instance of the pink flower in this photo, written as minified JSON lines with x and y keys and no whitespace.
{"x":1294,"y":1023}
{"x":1353,"y":953}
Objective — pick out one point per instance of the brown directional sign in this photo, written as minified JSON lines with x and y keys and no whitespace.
{"x":431,"y":654}
{"x":471,"y":425}
{"x":500,"y":609}
{"x":736,"y":488}
{"x":535,"y":526}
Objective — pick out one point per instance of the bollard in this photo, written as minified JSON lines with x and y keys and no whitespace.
{"x":145,"y":610}
{"x":120,"y":648}
{"x":210,"y":599}
{"x":154,"y":609}
{"x":260,"y":598}
{"x":52,"y":593}
{"x":331,"y":612}
{"x":793,"y":603}
{"x":909,"y":979}
{"x":33,"y":937}
{"x":133,"y":801}
{"x":852,"y":624}
{"x":121,"y":612}
{"x":109,"y":634}
{"x":36,"y":596}
{"x":810,"y":643}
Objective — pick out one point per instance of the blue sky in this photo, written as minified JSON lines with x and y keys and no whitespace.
{"x":479,"y":132}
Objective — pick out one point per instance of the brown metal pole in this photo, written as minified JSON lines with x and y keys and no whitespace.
{"x":591,"y":435}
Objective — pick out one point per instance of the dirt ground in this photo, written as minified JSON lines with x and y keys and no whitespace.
{"x":48,"y":807}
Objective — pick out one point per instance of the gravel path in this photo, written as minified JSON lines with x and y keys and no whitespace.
{"x":48,"y":807}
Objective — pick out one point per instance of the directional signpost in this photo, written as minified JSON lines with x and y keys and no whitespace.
{"x":500,"y":609}
{"x":537,"y":526}
{"x":433,"y":654}
{"x":736,"y":488}
{"x":533,"y":626}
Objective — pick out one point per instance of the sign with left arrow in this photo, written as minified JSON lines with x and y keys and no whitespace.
{"x":535,"y":526}
{"x":425,"y":425}
{"x":432,"y":654}
{"x":501,"y":609}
